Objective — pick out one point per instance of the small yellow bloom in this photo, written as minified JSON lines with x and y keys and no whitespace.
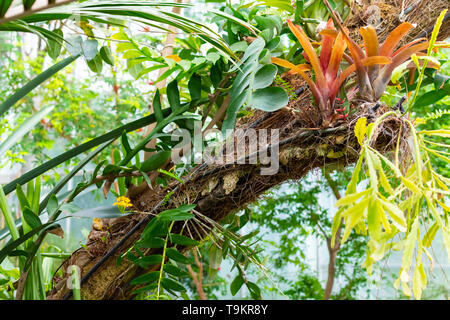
{"x":97,"y":224}
{"x":123,"y":202}
{"x":174,"y":57}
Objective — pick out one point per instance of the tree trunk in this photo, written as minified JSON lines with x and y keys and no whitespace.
{"x":218,"y":190}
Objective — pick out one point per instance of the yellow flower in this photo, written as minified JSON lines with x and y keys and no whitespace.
{"x":174,"y":57}
{"x":123,"y":202}
{"x":97,"y":224}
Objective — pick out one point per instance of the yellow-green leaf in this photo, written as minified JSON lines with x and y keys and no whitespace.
{"x":360,"y":129}
{"x":429,"y":236}
{"x":351,"y":198}
{"x":442,"y":133}
{"x":411,"y":186}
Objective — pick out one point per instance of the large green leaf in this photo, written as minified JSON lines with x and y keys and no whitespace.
{"x":151,"y":13}
{"x":264,"y":76}
{"x":104,"y":212}
{"x":270,"y":99}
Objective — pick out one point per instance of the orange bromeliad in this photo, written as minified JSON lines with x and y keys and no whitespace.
{"x":373,"y":65}
{"x":328,"y":80}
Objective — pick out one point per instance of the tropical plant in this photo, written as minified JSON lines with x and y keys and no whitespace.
{"x":219,"y":78}
{"x":328,"y":80}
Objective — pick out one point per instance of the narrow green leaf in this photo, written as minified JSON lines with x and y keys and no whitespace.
{"x":9,"y":247}
{"x":177,"y":256}
{"x":236,"y":284}
{"x":154,"y":242}
{"x":170,"y":284}
{"x":173,"y":95}
{"x":157,"y":107}
{"x":146,"y":278}
{"x":195,"y":87}
{"x":31,"y":218}
{"x":22,"y":92}
{"x":110,"y":136}
{"x":182,"y":240}
{"x":23,"y":201}
{"x":175,"y":271}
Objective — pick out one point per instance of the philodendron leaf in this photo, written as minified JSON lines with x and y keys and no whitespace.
{"x":105,"y":53}
{"x":269,"y":99}
{"x":155,"y":161}
{"x":236,"y":284}
{"x":264,"y":76}
{"x":175,"y":215}
{"x":96,"y":64}
{"x":54,"y":47}
{"x":89,"y":49}
{"x":74,"y":46}
{"x":52,"y":204}
{"x":430,"y":98}
{"x":173,"y":95}
{"x":31,"y":218}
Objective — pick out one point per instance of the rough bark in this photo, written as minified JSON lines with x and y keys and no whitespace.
{"x":219,"y":190}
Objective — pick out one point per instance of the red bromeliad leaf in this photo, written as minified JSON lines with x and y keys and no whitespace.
{"x":372,"y":46}
{"x":394,"y":38}
{"x":408,"y":45}
{"x":369,"y":35}
{"x":366,"y":62}
{"x":336,"y":56}
{"x":306,"y":57}
{"x":385,"y":75}
{"x":357,"y":55}
{"x":300,"y":70}
{"x":307,"y":47}
{"x":329,"y":33}
{"x":286,"y":64}
{"x":327,"y":47}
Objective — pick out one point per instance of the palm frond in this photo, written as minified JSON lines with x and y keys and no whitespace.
{"x":11,"y":12}
{"x":149,"y":13}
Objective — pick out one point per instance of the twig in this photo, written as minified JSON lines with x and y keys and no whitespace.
{"x":197,"y":277}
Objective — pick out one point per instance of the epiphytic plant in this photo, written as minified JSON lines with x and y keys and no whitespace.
{"x":372,"y":80}
{"x":328,"y":80}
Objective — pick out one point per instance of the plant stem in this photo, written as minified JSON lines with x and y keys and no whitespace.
{"x":162,"y":262}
